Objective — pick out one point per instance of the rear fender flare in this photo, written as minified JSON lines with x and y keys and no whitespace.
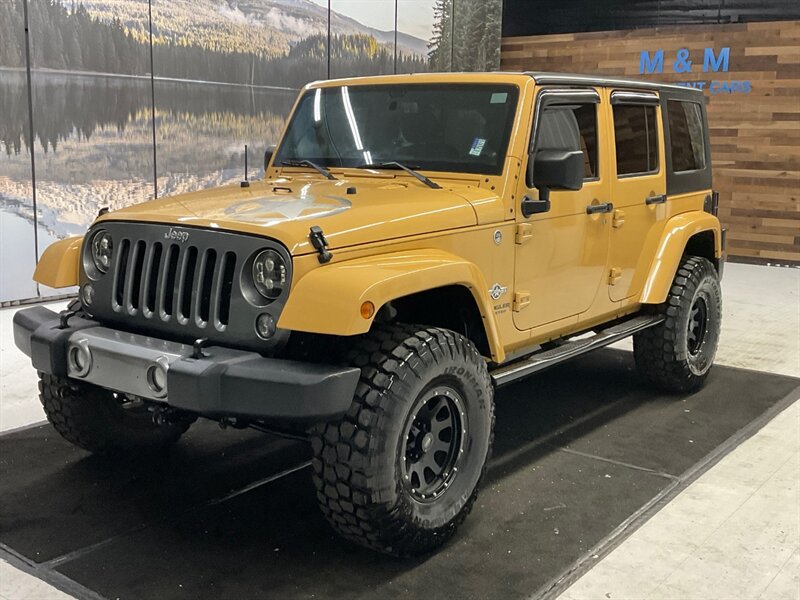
{"x":677,"y":233}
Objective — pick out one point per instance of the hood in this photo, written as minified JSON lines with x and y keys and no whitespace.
{"x":349,"y":211}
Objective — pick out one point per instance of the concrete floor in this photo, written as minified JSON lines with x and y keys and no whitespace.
{"x":734,"y":533}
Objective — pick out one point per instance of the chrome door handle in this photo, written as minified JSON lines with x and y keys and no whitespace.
{"x":660,"y":199}
{"x":594,"y":209}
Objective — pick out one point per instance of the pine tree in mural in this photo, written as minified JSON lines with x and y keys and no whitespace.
{"x":466,"y":35}
{"x":440,"y":44}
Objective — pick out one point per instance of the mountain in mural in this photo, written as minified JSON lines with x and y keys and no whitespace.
{"x":266,"y":27}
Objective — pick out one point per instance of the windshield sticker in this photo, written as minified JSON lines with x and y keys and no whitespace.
{"x":477,"y":146}
{"x":499,"y":98}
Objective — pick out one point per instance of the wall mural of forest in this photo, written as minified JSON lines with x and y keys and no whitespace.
{"x":226,"y":73}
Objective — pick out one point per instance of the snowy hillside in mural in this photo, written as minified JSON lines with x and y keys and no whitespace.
{"x":226,"y":75}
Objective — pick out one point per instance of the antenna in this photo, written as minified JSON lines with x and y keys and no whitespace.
{"x":246,"y":182}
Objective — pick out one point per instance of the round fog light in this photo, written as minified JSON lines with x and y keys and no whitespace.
{"x":157,"y":377}
{"x":265,"y":326}
{"x":87,"y":294}
{"x":80,"y":358}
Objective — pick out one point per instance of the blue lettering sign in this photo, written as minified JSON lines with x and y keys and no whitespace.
{"x":715,"y":63}
{"x":682,"y":63}
{"x":651,"y":64}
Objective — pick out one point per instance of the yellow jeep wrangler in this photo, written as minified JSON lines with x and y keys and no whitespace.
{"x":417,"y":242}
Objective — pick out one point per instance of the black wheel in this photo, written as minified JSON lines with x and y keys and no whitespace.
{"x":401,"y":471}
{"x":102,"y":421}
{"x":677,"y":355}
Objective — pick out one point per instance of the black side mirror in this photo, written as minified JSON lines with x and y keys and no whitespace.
{"x":558,"y":169}
{"x":268,"y":158}
{"x":552,"y":169}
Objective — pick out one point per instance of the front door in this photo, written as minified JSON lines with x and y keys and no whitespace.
{"x":561,"y":254}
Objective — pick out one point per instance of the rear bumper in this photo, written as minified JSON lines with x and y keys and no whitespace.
{"x":223,"y":382}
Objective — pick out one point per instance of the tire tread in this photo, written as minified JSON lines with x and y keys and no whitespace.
{"x":353,"y":494}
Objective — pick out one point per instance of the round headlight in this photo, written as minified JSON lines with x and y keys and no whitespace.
{"x":269,"y":274}
{"x":102,"y":250}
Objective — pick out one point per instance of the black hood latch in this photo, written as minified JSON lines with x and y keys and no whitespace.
{"x":317,"y":238}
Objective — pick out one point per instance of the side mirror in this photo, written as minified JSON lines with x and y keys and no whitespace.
{"x":552,"y":169}
{"x":558,"y":169}
{"x":268,"y":158}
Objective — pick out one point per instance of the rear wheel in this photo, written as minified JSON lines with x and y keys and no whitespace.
{"x":401,"y":471}
{"x":677,"y":355}
{"x":102,"y":421}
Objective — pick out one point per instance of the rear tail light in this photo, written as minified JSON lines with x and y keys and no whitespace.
{"x":711,"y":203}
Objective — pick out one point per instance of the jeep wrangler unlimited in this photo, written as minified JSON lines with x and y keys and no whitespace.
{"x":417,"y":242}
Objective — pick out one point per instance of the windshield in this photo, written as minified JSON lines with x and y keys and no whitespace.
{"x":435,"y":127}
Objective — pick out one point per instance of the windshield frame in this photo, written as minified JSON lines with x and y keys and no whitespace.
{"x":512,"y":88}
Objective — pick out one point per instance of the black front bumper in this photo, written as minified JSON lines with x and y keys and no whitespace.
{"x":223,"y":382}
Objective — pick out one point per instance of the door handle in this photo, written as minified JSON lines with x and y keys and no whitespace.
{"x":660,"y":199}
{"x":594,"y":209}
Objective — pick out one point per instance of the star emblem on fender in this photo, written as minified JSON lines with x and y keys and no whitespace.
{"x":497,"y":290}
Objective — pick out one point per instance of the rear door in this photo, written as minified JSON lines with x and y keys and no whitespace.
{"x":638,"y":188}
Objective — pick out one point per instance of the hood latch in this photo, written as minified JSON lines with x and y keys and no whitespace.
{"x":317,"y":238}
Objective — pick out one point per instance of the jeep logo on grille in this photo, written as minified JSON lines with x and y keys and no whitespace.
{"x":176,"y":234}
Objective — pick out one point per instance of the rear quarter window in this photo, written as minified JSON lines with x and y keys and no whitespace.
{"x":687,"y":142}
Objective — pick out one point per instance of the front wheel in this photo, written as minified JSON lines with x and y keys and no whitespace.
{"x":677,"y":355}
{"x":102,"y":421}
{"x":401,"y":471}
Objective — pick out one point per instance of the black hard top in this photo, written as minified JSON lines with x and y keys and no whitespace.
{"x":542,"y":78}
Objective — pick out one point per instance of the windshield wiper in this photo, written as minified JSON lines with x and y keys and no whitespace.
{"x":396,"y":165}
{"x":307,"y":163}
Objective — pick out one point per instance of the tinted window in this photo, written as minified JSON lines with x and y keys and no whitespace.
{"x":586,"y":115}
{"x":436,"y":127}
{"x":636,"y":139}
{"x":687,"y":143}
{"x":571,"y":127}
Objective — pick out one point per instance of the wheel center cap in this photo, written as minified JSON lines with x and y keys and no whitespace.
{"x":427,"y":442}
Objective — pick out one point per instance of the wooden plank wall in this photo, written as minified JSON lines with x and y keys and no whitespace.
{"x":755,"y":136}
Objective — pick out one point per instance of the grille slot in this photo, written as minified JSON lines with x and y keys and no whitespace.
{"x":204,"y":285}
{"x":152,"y":269}
{"x":119,"y":273}
{"x":177,"y":282}
{"x":225,"y":283}
{"x":133,"y":285}
{"x":168,"y":287}
{"x":186,"y":279}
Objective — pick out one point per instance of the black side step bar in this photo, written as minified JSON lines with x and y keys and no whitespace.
{"x":538,"y":361}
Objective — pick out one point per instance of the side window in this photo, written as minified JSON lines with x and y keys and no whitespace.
{"x":687,"y":145}
{"x":570,"y":127}
{"x":636,"y":138}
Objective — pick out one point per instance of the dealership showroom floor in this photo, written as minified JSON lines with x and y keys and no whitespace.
{"x":598,"y":488}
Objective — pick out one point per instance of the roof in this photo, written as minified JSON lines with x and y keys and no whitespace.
{"x":543,"y":78}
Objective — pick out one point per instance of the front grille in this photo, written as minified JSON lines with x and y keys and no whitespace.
{"x":186,"y":284}
{"x":183,"y":284}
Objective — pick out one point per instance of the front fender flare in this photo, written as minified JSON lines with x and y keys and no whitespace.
{"x":59,"y":266}
{"x":328,"y":299}
{"x":677,"y":232}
